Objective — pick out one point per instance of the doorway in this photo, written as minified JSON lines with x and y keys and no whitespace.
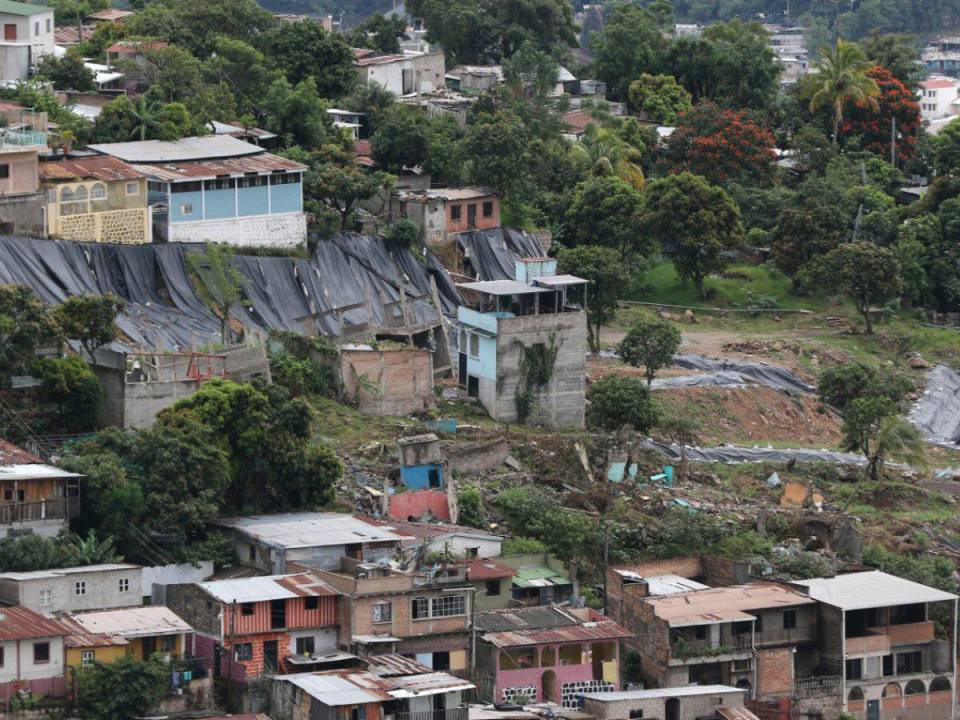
{"x":271,"y":656}
{"x":672,"y":710}
{"x":472,"y":216}
{"x":473,"y":387}
{"x":873,"y":710}
{"x":149,"y":646}
{"x":278,"y":614}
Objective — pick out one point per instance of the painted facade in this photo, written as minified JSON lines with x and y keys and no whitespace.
{"x":27,"y":36}
{"x":35,"y":497}
{"x":31,"y":654}
{"x":21,"y":201}
{"x":90,"y":587}
{"x":444,"y":212}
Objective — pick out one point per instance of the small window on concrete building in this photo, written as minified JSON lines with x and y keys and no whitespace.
{"x":789,"y":619}
{"x":252,"y":552}
{"x":133,"y":188}
{"x":855,"y":669}
{"x":700,"y":632}
{"x":124,"y":585}
{"x":98,"y":192}
{"x":80,"y":588}
{"x":186,"y":209}
{"x":359,"y":712}
{"x":472,"y":552}
{"x":243,"y":652}
{"x":488,"y":213}
{"x":36,"y":28}
{"x":86,"y":658}
{"x":48,"y":25}
{"x":1,"y":657}
{"x":493,"y":588}
{"x":455,"y":213}
{"x":246,"y":609}
{"x":4,"y":170}
{"x":305,"y":646}
{"x":474,"y":345}
{"x":910,"y":662}
{"x":433,"y":478}
{"x":312,"y":602}
{"x":636,"y":715}
{"x":41,"y":653}
{"x":46,"y":598}
{"x":421,"y":608}
{"x":383,"y":612}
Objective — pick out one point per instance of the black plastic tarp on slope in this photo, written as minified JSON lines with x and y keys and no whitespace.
{"x":493,"y":253}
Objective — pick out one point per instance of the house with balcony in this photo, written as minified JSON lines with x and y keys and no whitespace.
{"x":546,"y":654}
{"x":444,"y":212}
{"x":23,"y":135}
{"x":248,"y":626}
{"x":425,"y":614}
{"x":35,"y":497}
{"x":27,"y":36}
{"x":523,"y":344}
{"x":217,"y":188}
{"x":75,"y":589}
{"x":270,"y":543}
{"x":878,"y":639}
{"x":376,"y":694}
{"x":760,"y":637}
{"x":96,"y":199}
{"x":32,"y":654}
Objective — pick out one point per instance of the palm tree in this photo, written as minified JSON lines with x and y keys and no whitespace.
{"x":606,"y":154}
{"x":842,"y":78}
{"x":893,"y":438}
{"x":146,"y":116}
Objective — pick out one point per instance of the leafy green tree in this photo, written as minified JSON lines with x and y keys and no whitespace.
{"x":67,"y":72}
{"x":651,"y":345}
{"x":618,"y":400}
{"x":498,"y":147}
{"x":122,"y":690}
{"x":610,"y":151}
{"x":659,"y":98}
{"x":606,"y":211}
{"x":628,"y":46}
{"x":532,"y":513}
{"x":445,"y":159}
{"x":840,"y":386}
{"x":221,"y":283}
{"x":25,"y":326}
{"x":380,"y":33}
{"x":297,"y":113}
{"x":841,"y":80}
{"x":89,"y":319}
{"x":243,"y":69}
{"x":470,"y":502}
{"x":604,"y":268}
{"x":92,"y":550}
{"x":946,"y":150}
{"x":146,"y":119}
{"x":897,"y":52}
{"x":32,"y":552}
{"x":929,"y":257}
{"x":71,"y":385}
{"x":403,"y":233}
{"x":70,"y":12}
{"x":867,"y":273}
{"x":196,"y":26}
{"x":745,"y":70}
{"x":171,"y":73}
{"x":698,"y":219}
{"x":531,"y":72}
{"x":873,"y":427}
{"x":372,"y":100}
{"x":304,"y":50}
{"x":401,"y":139}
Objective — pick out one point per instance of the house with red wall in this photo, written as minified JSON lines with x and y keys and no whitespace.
{"x":546,"y":654}
{"x":249,"y":626}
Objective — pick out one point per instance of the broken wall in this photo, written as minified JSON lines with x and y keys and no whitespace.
{"x":388,"y":382}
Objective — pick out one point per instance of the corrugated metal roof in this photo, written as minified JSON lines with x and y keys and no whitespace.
{"x":422,"y":530}
{"x":9,"y":7}
{"x":539,"y":576}
{"x":525,"y":618}
{"x":273,"y":587}
{"x":599,"y":630}
{"x":303,"y":530}
{"x":19,"y":623}
{"x":486,"y":569}
{"x":82,"y":638}
{"x":430,"y":683}
{"x":560,"y":280}
{"x":11,"y":454}
{"x":99,"y":167}
{"x":209,"y":169}
{"x":110,"y":15}
{"x":391,"y":664}
{"x":858,"y":591}
{"x":134,"y":622}
{"x":34,"y":472}
{"x":69,"y":35}
{"x":724,"y":604}
{"x":740,"y":713}
{"x":207,"y":147}
{"x":137,"y":46}
{"x":653,"y":693}
{"x":60,"y":572}
{"x":378,"y":60}
{"x":335,"y":688}
{"x":502,"y":287}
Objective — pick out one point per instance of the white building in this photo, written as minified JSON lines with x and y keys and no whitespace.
{"x":404,"y":74}
{"x":89,"y":587}
{"x":937,"y":95}
{"x":27,"y":36}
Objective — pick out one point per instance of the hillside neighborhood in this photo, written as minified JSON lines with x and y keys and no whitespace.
{"x":479,"y":360}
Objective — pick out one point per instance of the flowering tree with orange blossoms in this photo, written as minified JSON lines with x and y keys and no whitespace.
{"x":721,"y":145}
{"x":874,"y":125}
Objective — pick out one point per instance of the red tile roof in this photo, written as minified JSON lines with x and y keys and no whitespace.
{"x":10,"y":454}
{"x":18,"y":623}
{"x":938,"y":83}
{"x":481,"y":569}
{"x":577,"y":121}
{"x":97,"y":167}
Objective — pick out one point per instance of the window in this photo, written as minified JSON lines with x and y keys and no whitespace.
{"x":700,"y":632}
{"x":283,"y":178}
{"x":243,"y":652}
{"x":383,"y":612}
{"x":86,"y":658}
{"x":168,"y":643}
{"x":887,"y":665}
{"x":305,"y":646}
{"x":246,"y":609}
{"x":443,"y":606}
{"x":358,"y":712}
{"x":218,"y":184}
{"x":789,"y":619}
{"x":312,"y":602}
{"x":193,"y":186}
{"x":488,"y":208}
{"x":253,"y":181}
{"x":41,"y":653}
{"x":4,"y":170}
{"x":46,"y":598}
{"x":1,"y":657}
{"x":910,"y":662}
{"x":80,"y":587}
{"x":472,"y":552}
{"x":474,"y":345}
{"x":98,"y":192}
{"x":455,"y":213}
{"x":742,"y":628}
{"x":124,"y":585}
{"x":186,"y":209}
{"x":493,"y":588}
{"x":252,"y":552}
{"x":133,"y":188}
{"x":36,"y":28}
{"x":636,"y":714}
{"x":855,"y":669}
{"x":48,"y":25}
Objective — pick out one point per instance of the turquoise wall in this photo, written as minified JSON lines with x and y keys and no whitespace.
{"x":253,"y":201}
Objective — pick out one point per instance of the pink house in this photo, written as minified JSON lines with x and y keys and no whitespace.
{"x":547,"y":654}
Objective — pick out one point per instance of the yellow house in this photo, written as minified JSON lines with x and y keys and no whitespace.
{"x":96,"y":199}
{"x":84,"y":648}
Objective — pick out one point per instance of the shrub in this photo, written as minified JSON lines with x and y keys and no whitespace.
{"x":617,"y":400}
{"x":471,"y":507}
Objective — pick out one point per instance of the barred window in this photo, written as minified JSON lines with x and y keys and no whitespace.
{"x":439,"y":607}
{"x":382,"y":612}
{"x":218,"y":184}
{"x":421,"y":608}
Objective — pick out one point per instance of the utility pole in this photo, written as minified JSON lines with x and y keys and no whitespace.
{"x":893,"y":141}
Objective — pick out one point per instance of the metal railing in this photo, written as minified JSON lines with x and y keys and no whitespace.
{"x":52,"y":509}
{"x":22,"y":138}
{"x":458,"y":713}
{"x":816,"y":686}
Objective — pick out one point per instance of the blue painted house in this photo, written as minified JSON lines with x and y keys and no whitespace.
{"x":421,"y":462}
{"x":220,"y":189}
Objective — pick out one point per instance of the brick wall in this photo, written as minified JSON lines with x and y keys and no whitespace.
{"x":403,"y":378}
{"x":403,"y":625}
{"x":774,"y":673}
{"x":196,"y":608}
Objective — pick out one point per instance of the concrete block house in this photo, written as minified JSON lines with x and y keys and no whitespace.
{"x":217,"y":188}
{"x":249,"y":626}
{"x":76,"y":589}
{"x":23,"y":136}
{"x":443,"y":212}
{"x":403,"y":74}
{"x":35,"y":497}
{"x":522,"y":345}
{"x":717,"y":702}
{"x":546,"y":654}
{"x":27,"y":36}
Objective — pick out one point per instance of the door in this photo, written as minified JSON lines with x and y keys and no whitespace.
{"x":462,"y":370}
{"x":673,"y":709}
{"x":149,"y":645}
{"x":473,"y":387}
{"x":873,"y":710}
{"x":271,"y":657}
{"x":472,"y":215}
{"x":10,"y":33}
{"x":278,"y":614}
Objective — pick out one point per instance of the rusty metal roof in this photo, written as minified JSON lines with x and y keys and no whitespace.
{"x":487,"y":569}
{"x":19,"y":623}
{"x":724,"y":604}
{"x":137,"y":46}
{"x":596,"y":630}
{"x":110,"y":15}
{"x":378,"y":60}
{"x":11,"y":454}
{"x":391,"y":664}
{"x":739,"y":713}
{"x":208,"y":169}
{"x":98,"y":167}
{"x":82,"y":638}
{"x":429,"y":683}
{"x":261,"y":589}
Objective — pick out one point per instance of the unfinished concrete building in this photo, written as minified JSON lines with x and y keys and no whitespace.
{"x":523,"y":344}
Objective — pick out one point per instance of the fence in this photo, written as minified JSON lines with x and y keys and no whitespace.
{"x":53,"y":509}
